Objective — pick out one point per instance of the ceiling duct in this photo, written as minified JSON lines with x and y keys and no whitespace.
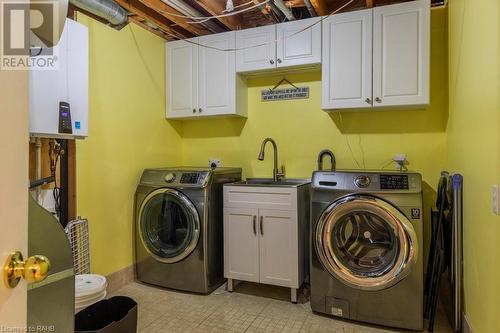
{"x":106,"y":9}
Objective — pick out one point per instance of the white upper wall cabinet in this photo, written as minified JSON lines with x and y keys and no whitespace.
{"x":377,"y":58}
{"x":182,"y":78}
{"x":217,"y":80}
{"x":295,"y":43}
{"x":401,"y":47}
{"x":201,"y":78}
{"x":299,"y":43}
{"x":347,"y":60}
{"x":256,"y":49}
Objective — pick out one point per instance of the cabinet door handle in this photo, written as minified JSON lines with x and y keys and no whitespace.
{"x":199,"y":110}
{"x":271,"y":62}
{"x":368,"y":100}
{"x":194,"y":110}
{"x":378,"y":100}
{"x":255,"y":225}
{"x":261,"y":225}
{"x":279,"y":61}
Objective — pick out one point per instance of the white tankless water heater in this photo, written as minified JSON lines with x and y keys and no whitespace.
{"x":58,"y":86}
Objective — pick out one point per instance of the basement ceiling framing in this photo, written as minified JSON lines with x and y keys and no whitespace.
{"x":172,"y":19}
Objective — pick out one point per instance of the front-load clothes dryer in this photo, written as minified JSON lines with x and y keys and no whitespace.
{"x":366,"y":253}
{"x":178,"y":227}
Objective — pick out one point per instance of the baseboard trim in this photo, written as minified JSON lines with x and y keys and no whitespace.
{"x":120,"y":279}
{"x":466,"y":326}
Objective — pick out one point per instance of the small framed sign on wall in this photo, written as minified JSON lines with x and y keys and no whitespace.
{"x":268,"y":95}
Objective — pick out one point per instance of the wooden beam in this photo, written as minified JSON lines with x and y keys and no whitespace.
{"x":140,"y":22}
{"x":216,"y":8}
{"x":369,"y":3}
{"x":295,"y":3}
{"x":265,"y":10}
{"x":320,"y":7}
{"x":164,"y":9}
{"x":140,"y":9}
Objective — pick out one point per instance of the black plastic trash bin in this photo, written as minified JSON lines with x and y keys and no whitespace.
{"x":115,"y":315}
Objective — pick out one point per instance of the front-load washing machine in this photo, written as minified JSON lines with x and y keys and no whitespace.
{"x":178,"y":227}
{"x":366,"y":253}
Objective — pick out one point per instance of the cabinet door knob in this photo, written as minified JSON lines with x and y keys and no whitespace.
{"x":368,"y":100}
{"x":194,"y":110}
{"x":378,"y":100}
{"x":199,"y":110}
{"x":271,"y":62}
{"x":279,"y":61}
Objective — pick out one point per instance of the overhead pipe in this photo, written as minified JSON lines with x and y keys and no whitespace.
{"x":310,"y":8}
{"x":106,"y":9}
{"x":284,"y":9}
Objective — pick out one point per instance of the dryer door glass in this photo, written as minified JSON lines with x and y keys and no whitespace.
{"x":169,"y":225}
{"x":366,"y":242}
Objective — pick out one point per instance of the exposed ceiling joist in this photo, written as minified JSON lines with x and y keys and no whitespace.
{"x":140,"y":22}
{"x":174,"y":19}
{"x":295,"y":3}
{"x":284,"y":9}
{"x":310,"y":8}
{"x":140,"y":9}
{"x":187,"y":10}
{"x":320,"y":7}
{"x":214,"y":8}
{"x":164,"y":9}
{"x":264,"y":10}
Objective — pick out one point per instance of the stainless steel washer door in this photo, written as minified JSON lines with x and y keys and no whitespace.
{"x":169,"y":225}
{"x":366,"y":242}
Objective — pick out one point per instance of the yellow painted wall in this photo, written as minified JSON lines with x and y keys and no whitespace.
{"x":127,"y":133}
{"x":474,"y":149}
{"x":302,"y":129}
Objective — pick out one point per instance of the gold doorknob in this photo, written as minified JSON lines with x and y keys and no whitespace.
{"x":35,"y":269}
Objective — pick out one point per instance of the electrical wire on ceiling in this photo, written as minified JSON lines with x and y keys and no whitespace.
{"x":257,"y":45}
{"x":199,"y":19}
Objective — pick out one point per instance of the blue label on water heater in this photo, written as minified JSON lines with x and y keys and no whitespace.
{"x":77,"y":125}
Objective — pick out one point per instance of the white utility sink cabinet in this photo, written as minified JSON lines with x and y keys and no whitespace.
{"x":265,"y":235}
{"x":295,"y":43}
{"x":377,"y":58}
{"x":202,"y":81}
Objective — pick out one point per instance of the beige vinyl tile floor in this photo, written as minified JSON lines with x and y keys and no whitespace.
{"x":244,"y":310}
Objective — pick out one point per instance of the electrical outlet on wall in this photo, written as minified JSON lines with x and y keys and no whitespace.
{"x":214,"y":162}
{"x":494,"y":200}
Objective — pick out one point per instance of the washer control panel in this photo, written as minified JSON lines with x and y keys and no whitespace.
{"x":394,"y":182}
{"x":170,"y":177}
{"x":190,"y":178}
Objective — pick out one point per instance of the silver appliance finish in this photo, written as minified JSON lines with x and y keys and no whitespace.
{"x":178,"y":227}
{"x":366,"y":262}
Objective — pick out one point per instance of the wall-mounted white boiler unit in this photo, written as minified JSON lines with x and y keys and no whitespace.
{"x":58,"y":86}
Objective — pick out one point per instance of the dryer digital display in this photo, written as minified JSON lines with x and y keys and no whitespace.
{"x":394,"y":182}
